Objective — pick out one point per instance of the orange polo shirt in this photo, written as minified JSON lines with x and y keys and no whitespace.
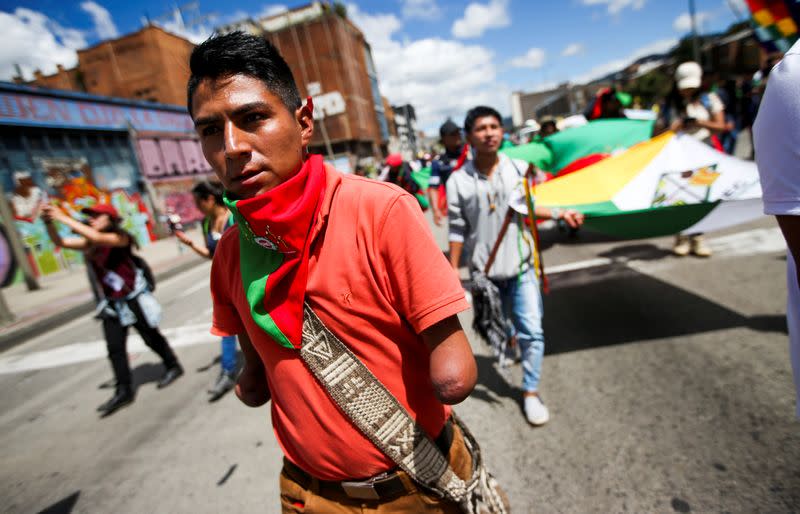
{"x":377,"y":279}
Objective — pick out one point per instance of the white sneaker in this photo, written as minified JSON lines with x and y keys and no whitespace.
{"x":536,"y":411}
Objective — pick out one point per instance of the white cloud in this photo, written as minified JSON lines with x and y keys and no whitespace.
{"x":272,"y":10}
{"x":478,"y":18}
{"x":656,"y":47}
{"x":572,"y":49}
{"x":421,"y":9}
{"x":683,"y":23}
{"x":460,"y":76}
{"x":615,"y":6}
{"x":103,"y":24}
{"x":533,"y":58}
{"x":377,"y":28}
{"x":196,"y":34}
{"x":34,"y":41}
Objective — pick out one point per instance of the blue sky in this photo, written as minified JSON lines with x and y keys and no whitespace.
{"x":443,"y":56}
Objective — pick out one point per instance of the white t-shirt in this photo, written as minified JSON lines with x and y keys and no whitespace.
{"x":776,"y":136}
{"x":698,"y":111}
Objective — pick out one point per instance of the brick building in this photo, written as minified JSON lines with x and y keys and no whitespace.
{"x":330,"y":59}
{"x":150,"y":65}
{"x":331,"y":62}
{"x":80,"y":149}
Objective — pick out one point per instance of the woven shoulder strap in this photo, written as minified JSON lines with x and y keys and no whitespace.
{"x":374,"y":410}
{"x":385,"y":422}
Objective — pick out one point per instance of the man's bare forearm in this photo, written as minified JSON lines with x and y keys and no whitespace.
{"x":455,"y":254}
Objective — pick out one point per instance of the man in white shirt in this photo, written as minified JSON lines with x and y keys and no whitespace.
{"x":776,"y":136}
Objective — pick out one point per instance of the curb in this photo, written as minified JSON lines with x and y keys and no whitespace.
{"x":36,"y":327}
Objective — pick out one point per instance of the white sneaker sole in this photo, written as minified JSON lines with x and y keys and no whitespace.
{"x":539,"y":422}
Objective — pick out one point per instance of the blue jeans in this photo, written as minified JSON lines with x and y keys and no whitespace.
{"x":228,"y":359}
{"x":522,"y":303}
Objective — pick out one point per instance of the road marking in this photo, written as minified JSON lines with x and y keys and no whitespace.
{"x":574,"y":266}
{"x":752,"y":242}
{"x":187,"y":335}
{"x":742,"y":244}
{"x":204,"y":284}
{"x":205,"y":315}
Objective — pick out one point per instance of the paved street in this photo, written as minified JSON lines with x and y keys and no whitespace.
{"x":668,"y":382}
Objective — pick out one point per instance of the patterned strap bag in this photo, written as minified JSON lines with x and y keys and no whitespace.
{"x":385,"y":422}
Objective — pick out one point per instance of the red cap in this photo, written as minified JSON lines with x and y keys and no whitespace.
{"x":394,"y":159}
{"x":102,"y":208}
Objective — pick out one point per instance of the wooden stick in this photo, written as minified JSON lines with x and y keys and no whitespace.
{"x":496,"y":247}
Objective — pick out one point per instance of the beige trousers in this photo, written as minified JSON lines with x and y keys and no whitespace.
{"x":296,"y":500}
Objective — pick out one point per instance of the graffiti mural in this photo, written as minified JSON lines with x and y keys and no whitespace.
{"x":70,"y":181}
{"x":177,"y":198}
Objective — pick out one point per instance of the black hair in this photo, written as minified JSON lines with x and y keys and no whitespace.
{"x":676,"y":101}
{"x":479,"y":112}
{"x":238,"y":53}
{"x":205,"y":189}
{"x":116,"y":227}
{"x":448,"y":127}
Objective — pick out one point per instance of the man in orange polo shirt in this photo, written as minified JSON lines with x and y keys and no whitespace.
{"x":332,"y":243}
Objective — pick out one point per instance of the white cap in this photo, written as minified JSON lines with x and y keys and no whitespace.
{"x":689,"y":75}
{"x":532,"y":124}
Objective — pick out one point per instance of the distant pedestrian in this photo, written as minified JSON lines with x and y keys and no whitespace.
{"x":776,"y":134}
{"x":357,"y":345}
{"x":607,"y":104}
{"x":548,"y":127}
{"x":218,"y":219}
{"x":700,"y":114}
{"x":478,"y":204}
{"x":401,"y":173}
{"x":123,"y":289}
{"x":442,"y":166}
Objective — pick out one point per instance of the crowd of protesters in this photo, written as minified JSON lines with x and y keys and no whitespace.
{"x":302,"y":323}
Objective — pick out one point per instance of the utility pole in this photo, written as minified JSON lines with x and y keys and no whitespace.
{"x":695,"y":40}
{"x":6,"y":316}
{"x":328,"y":147}
{"x":16,"y":243}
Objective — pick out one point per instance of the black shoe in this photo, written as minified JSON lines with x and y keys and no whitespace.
{"x":170,"y":376}
{"x":122,"y":396}
{"x":224,"y":383}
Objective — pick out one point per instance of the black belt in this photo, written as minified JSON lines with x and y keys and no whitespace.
{"x":384,"y":486}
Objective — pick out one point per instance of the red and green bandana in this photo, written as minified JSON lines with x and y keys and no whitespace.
{"x":274,"y":245}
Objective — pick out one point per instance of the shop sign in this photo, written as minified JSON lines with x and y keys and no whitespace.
{"x":34,"y":110}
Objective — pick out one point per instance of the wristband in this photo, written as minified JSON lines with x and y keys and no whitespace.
{"x":556,"y":213}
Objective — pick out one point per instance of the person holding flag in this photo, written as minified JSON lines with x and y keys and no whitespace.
{"x":485,"y":228}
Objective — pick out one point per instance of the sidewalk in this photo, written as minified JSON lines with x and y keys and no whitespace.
{"x":66,"y":295}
